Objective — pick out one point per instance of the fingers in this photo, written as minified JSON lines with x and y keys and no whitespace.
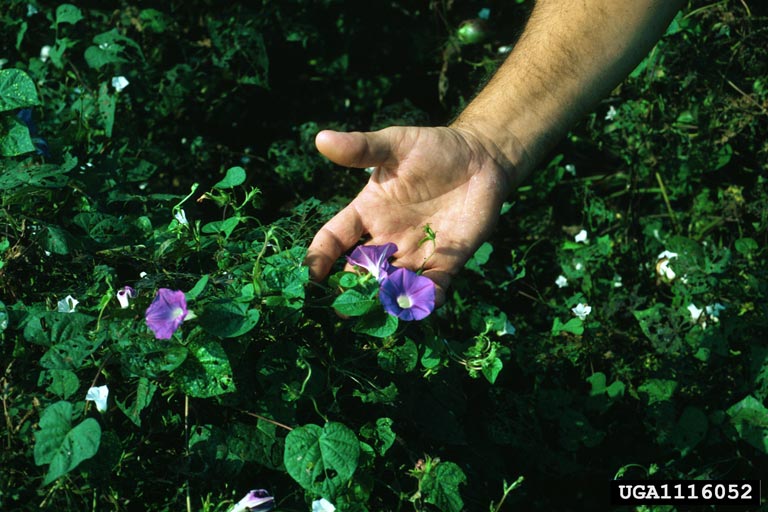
{"x":358,"y":149}
{"x":334,"y":239}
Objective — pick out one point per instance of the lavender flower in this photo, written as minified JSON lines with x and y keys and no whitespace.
{"x":257,"y":500}
{"x":373,"y":258}
{"x":124,"y":294}
{"x":167,"y":311}
{"x":407,"y":295}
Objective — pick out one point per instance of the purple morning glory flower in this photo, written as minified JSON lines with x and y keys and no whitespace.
{"x":257,"y":500}
{"x":373,"y":258}
{"x":407,"y":295}
{"x":167,"y":311}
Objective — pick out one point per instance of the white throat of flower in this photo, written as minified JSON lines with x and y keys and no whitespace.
{"x":404,"y":301}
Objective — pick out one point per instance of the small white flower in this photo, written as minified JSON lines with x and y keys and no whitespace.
{"x":103,"y":46}
{"x":322,"y":505}
{"x":581,"y":237}
{"x":45,"y":52}
{"x":695,"y":312}
{"x":68,"y":304}
{"x":713,"y":310}
{"x":181,"y":217}
{"x":561,"y":281}
{"x":507,"y":329}
{"x":504,"y":49}
{"x":124,"y":295}
{"x":98,"y":395}
{"x":582,"y":310}
{"x":666,"y":254}
{"x":611,"y":114}
{"x":570,"y":169}
{"x":617,"y":281}
{"x":119,"y":83}
{"x":579,"y":266}
{"x":142,"y":275}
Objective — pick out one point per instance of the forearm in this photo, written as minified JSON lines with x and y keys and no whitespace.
{"x":570,"y":55}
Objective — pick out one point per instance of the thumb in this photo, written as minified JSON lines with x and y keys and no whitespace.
{"x":358,"y":149}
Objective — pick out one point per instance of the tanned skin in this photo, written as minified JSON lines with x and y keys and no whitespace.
{"x":455,"y":178}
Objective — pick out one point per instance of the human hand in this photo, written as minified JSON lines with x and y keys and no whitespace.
{"x":443,"y":177}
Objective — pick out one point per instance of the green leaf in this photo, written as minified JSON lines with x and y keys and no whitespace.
{"x":658,"y":390}
{"x":353,"y":303}
{"x":44,"y":176}
{"x":574,"y":326}
{"x":15,"y":139}
{"x":153,"y":20}
{"x":207,"y":373}
{"x":70,"y":353}
{"x":224,"y":227}
{"x":145,"y":390}
{"x":480,"y":258}
{"x":149,"y":358}
{"x":381,"y":434}
{"x":61,"y":446}
{"x":690,"y":430}
{"x":398,"y":359}
{"x":377,"y":323}
{"x":57,"y":240}
{"x":197,"y":289}
{"x":51,"y":327}
{"x":228,"y":319}
{"x":235,"y":176}
{"x":323,"y":459}
{"x":258,"y":443}
{"x":64,"y":383}
{"x":106,"y":104}
{"x":745,"y":246}
{"x":750,"y":419}
{"x":386,"y":395}
{"x":3,"y":317}
{"x":17,"y":90}
{"x":440,"y":487}
{"x":68,"y":13}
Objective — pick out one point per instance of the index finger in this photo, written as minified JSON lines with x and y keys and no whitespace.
{"x":334,"y":239}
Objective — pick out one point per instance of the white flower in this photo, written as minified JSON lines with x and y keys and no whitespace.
{"x":617,"y":281}
{"x":98,"y":395}
{"x":68,"y":304}
{"x":124,"y":295}
{"x":713,"y":310}
{"x":695,"y":312}
{"x":322,"y":505}
{"x":570,"y":169}
{"x":662,"y":265}
{"x":579,"y":266}
{"x":504,"y":49}
{"x":45,"y":52}
{"x":611,"y":114}
{"x":561,"y":281}
{"x":582,"y":310}
{"x":507,"y":329}
{"x":581,"y":237}
{"x":119,"y":83}
{"x":142,"y":275}
{"x":181,"y":217}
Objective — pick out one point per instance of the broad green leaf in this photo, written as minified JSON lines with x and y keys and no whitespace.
{"x":492,"y":366}
{"x":574,"y":326}
{"x":197,"y":289}
{"x":750,"y":419}
{"x":658,"y":390}
{"x":323,"y":459}
{"x":17,"y":90}
{"x":258,"y":443}
{"x":223,"y":227}
{"x":70,"y":353}
{"x":51,"y":327}
{"x":14,"y":138}
{"x":228,"y":319}
{"x":107,"y":104}
{"x":207,"y":372}
{"x":153,"y":20}
{"x":480,"y":258}
{"x":386,"y":395}
{"x":145,"y":390}
{"x":353,"y":303}
{"x":440,"y":487}
{"x":377,"y":323}
{"x":235,"y":176}
{"x":399,"y":359}
{"x":380,"y":434}
{"x":68,"y":13}
{"x":690,"y":430}
{"x":61,"y":446}
{"x":43,"y":176}
{"x":57,"y":240}
{"x":745,"y":246}
{"x":150,"y":357}
{"x":64,"y":383}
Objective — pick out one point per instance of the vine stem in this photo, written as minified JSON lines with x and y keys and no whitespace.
{"x":259,"y":416}
{"x":186,"y":447}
